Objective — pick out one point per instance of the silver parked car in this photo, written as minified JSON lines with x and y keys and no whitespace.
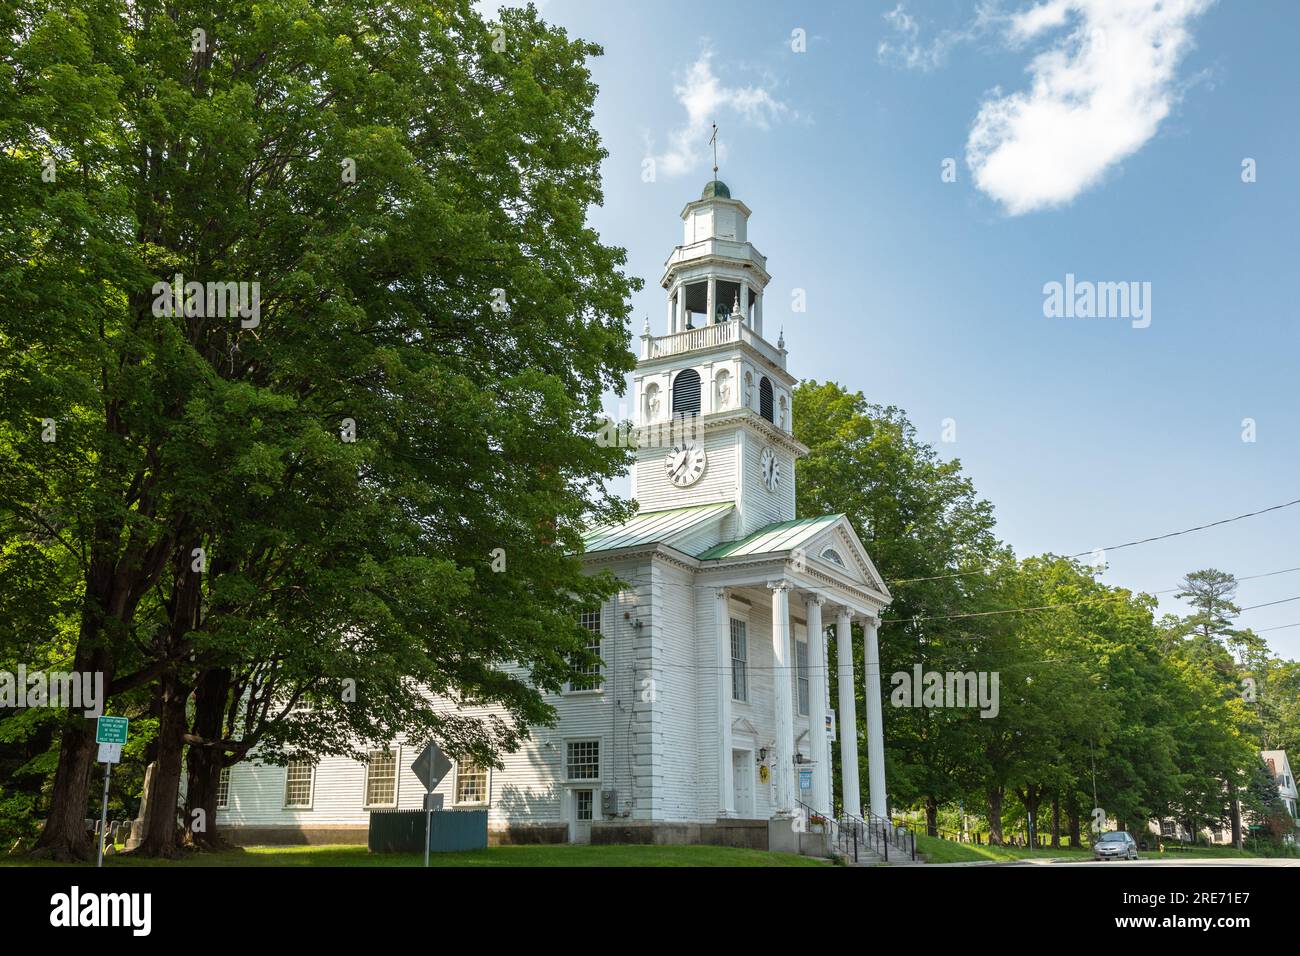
{"x":1115,"y":845}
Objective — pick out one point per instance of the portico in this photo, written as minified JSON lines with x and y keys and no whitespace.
{"x":773,"y":700}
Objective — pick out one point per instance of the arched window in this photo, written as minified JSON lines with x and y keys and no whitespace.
{"x":830,"y":554}
{"x":765,"y":398}
{"x":686,"y":393}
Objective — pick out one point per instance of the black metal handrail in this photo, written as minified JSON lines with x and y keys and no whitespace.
{"x":850,"y":833}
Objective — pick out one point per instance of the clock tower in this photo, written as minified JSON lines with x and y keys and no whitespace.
{"x":713,"y":397}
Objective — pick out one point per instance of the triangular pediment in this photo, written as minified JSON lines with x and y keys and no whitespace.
{"x":840,"y":548}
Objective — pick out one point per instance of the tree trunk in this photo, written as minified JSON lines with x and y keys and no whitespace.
{"x":1056,"y":820}
{"x":994,"y":795}
{"x":1072,"y":814}
{"x":204,"y":760}
{"x":1031,"y":796}
{"x":158,"y":806}
{"x":65,"y":837}
{"x":1236,"y":818}
{"x":932,"y":816}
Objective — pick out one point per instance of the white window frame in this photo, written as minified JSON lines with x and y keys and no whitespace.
{"x":311,"y":785}
{"x":572,"y":689}
{"x":743,"y":661}
{"x":397,"y":779}
{"x":224,"y":779}
{"x":584,"y":782}
{"x":455,"y":787}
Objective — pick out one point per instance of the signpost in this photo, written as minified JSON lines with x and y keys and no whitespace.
{"x":110,"y":734}
{"x":430,"y":767}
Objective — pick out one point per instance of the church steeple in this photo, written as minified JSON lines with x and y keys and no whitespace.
{"x":713,"y":395}
{"x":716,"y":273}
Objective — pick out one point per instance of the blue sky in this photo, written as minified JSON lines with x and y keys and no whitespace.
{"x":1091,"y":137}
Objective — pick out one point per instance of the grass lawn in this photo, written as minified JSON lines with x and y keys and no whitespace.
{"x":551,"y":855}
{"x":937,"y":850}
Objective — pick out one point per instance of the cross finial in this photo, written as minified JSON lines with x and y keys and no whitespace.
{"x":714,"y":141}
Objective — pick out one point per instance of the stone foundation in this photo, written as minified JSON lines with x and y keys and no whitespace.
{"x":746,"y":834}
{"x":359,"y":834}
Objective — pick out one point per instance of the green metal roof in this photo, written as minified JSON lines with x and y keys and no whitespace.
{"x":652,"y":526}
{"x":715,"y":189}
{"x":783,"y":536}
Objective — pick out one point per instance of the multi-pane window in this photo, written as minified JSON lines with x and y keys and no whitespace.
{"x":223,"y":789}
{"x":471,"y":782}
{"x":582,"y":760}
{"x":585,"y":800}
{"x":589,"y":679}
{"x":739,"y":661}
{"x":1167,"y":828}
{"x":381,"y":779}
{"x":297,"y":783}
{"x":801,"y":674}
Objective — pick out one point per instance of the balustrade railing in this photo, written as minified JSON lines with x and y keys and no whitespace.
{"x":707,"y":336}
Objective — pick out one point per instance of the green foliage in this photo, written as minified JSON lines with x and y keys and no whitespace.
{"x":229,"y":158}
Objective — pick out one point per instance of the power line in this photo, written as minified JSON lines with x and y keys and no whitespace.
{"x":1052,"y":607}
{"x":1117,"y":547}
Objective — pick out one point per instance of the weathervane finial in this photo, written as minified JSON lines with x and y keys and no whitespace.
{"x":713,"y":140}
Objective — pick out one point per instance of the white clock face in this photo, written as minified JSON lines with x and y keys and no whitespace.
{"x":685,"y":463}
{"x":771,"y":469}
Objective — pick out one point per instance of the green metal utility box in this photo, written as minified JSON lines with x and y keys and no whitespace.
{"x":402,"y":831}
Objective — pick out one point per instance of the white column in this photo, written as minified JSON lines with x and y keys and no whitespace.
{"x":875,"y":721}
{"x":821,"y":751}
{"x":783,"y":751}
{"x":847,"y":717}
{"x":744,"y":302}
{"x":681,"y":308}
{"x":713,"y":301}
{"x":672,"y":313}
{"x":758,"y":313}
{"x":726,"y":785}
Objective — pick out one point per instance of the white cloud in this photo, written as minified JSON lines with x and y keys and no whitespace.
{"x":706,"y":98}
{"x":907,"y":48}
{"x":1098,"y":95}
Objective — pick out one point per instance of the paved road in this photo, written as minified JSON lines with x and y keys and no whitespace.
{"x":1167,"y":861}
{"x":1112,"y":864}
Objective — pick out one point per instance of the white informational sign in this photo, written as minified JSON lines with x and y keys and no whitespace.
{"x":805,"y":779}
{"x":110,"y":753}
{"x":830,"y":725}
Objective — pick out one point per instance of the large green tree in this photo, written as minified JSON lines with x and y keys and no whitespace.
{"x":378,"y":474}
{"x":931,"y":535}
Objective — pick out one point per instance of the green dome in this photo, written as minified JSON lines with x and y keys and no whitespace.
{"x":716,"y":189}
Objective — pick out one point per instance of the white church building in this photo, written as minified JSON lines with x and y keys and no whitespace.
{"x":711,"y":719}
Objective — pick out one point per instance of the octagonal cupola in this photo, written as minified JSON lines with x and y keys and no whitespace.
{"x":716,"y":274}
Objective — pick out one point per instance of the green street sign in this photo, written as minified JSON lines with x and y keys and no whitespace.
{"x":110,"y":730}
